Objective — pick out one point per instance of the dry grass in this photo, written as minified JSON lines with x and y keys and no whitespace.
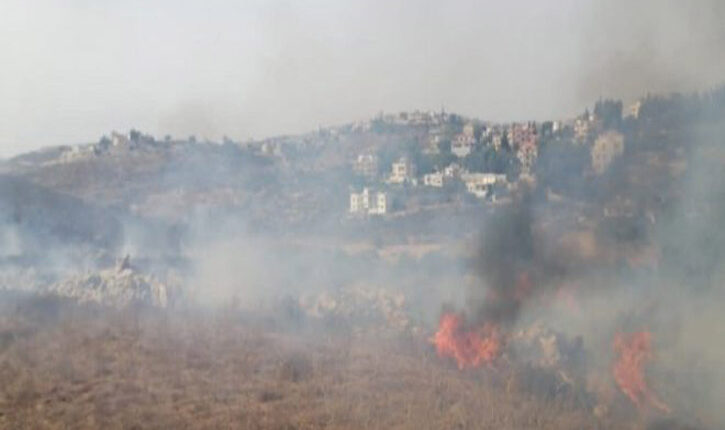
{"x":64,"y":367}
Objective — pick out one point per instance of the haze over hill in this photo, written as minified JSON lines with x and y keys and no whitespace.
{"x":74,"y":70}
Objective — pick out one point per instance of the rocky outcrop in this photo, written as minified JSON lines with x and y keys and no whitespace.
{"x":365,"y":305}
{"x":118,"y":287}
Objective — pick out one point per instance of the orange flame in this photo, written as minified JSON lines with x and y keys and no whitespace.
{"x":469,"y":347}
{"x":634,"y":351}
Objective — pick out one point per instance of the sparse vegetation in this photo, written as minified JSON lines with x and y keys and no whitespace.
{"x":80,"y":367}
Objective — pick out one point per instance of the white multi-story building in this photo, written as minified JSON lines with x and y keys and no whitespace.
{"x":634,"y":109}
{"x":496,"y":140}
{"x":118,"y":139}
{"x":368,"y":202}
{"x":527,"y":154}
{"x":469,"y":129}
{"x":402,"y":171}
{"x":462,"y":145}
{"x":479,"y":184}
{"x":379,"y":204}
{"x":366,"y":165}
{"x":453,"y":170}
{"x":435,"y":179}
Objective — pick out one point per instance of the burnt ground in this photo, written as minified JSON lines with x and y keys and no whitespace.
{"x":66,"y":366}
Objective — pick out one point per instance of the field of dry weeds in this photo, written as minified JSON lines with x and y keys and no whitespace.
{"x":65,"y":366}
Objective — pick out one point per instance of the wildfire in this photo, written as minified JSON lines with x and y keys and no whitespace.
{"x":634,"y":350}
{"x":469,"y":347}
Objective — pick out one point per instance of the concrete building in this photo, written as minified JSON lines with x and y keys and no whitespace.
{"x":582,"y":129}
{"x":402,"y":171}
{"x":606,"y":148}
{"x":462,"y":145}
{"x":633,"y":110}
{"x":586,"y":126}
{"x":527,"y":154}
{"x":368,"y":202}
{"x":518,"y":134}
{"x":366,"y":165}
{"x":118,"y":139}
{"x":469,"y":129}
{"x":453,"y":170}
{"x":480,"y":184}
{"x":496,"y":140}
{"x":436,"y":179}
{"x":379,"y":204}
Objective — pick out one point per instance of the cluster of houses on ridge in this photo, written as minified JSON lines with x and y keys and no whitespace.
{"x":377,"y":202}
{"x":521,"y":138}
{"x":438,"y":136}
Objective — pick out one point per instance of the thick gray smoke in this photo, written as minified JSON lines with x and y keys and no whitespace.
{"x":630,"y":48}
{"x":514,"y":261}
{"x":657,"y":266}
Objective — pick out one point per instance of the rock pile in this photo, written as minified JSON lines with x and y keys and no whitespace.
{"x":118,"y":287}
{"x":361,"y":304}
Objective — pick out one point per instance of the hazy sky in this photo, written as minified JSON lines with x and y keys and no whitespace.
{"x":73,"y":70}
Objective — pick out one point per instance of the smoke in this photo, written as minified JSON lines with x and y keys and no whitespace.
{"x":268,"y":68}
{"x":631,"y":48}
{"x":511,"y":260}
{"x":656,"y":267}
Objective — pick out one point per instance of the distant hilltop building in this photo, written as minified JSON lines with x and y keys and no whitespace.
{"x":453,"y":170}
{"x":366,"y":165}
{"x":520,"y":134}
{"x":634,"y":109}
{"x":527,"y":154}
{"x":586,"y":126}
{"x":368,"y":202}
{"x":415,"y":118}
{"x":496,"y":140}
{"x":607,"y":147}
{"x":462,"y":145}
{"x":481,"y":184}
{"x":271,"y":148}
{"x":118,"y":139}
{"x":435,"y":179}
{"x":469,"y":129}
{"x":441,"y":178}
{"x":432,"y":143}
{"x":402,"y":171}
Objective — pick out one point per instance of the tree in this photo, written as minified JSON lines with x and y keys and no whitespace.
{"x":456,"y":120}
{"x":104,"y":142}
{"x":440,"y":161}
{"x":477,"y":161}
{"x":134,"y":135}
{"x":505,"y":145}
{"x":444,"y":146}
{"x":609,"y":112}
{"x":547,"y":128}
{"x":560,"y":167}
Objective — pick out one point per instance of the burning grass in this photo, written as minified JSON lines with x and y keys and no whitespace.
{"x":62,"y":366}
{"x":469,"y":346}
{"x":634,"y":350}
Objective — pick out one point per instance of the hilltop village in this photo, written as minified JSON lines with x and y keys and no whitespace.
{"x":613,"y":165}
